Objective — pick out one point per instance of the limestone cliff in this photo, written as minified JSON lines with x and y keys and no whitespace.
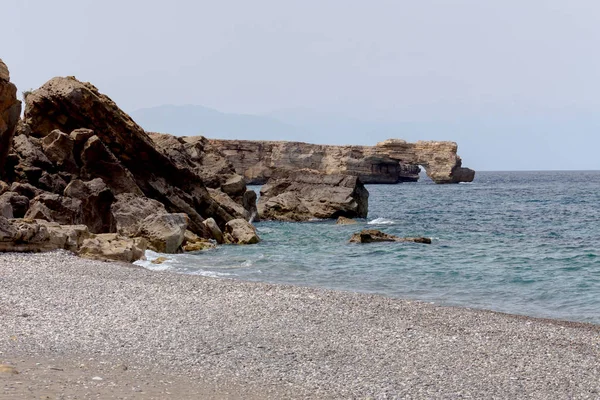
{"x":391,"y":161}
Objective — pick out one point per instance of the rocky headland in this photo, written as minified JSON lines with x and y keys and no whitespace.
{"x":78,"y":173}
{"x":391,"y":161}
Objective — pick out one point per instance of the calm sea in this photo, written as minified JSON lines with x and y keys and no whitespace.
{"x":519,"y":242}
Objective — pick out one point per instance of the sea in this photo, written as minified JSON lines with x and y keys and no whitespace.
{"x":518,"y":242}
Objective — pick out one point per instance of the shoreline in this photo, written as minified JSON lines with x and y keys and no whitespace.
{"x":226,"y":338}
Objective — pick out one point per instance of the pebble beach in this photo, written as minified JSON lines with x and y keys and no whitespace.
{"x":78,"y":329}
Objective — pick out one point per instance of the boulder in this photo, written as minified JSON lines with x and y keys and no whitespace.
{"x":235,"y":186}
{"x":98,"y":161}
{"x":56,"y":208}
{"x":193,"y":242}
{"x":372,"y":236}
{"x":58,"y":147}
{"x":13,"y":205}
{"x":345,"y":221}
{"x":228,"y":204}
{"x":23,"y":235}
{"x":306,"y":194}
{"x":52,"y":183}
{"x":164,"y":232}
{"x":129,"y":210}
{"x":10,"y":111}
{"x":113,"y":247}
{"x":96,"y":201}
{"x":25,"y":189}
{"x":214,"y":229}
{"x":240,"y":231}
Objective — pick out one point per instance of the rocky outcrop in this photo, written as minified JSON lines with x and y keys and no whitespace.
{"x":119,"y":148}
{"x":10,"y":111}
{"x":345,"y":221}
{"x":373,"y":236}
{"x":225,"y":186}
{"x":391,"y":161}
{"x":306,"y":194}
{"x":76,"y":159}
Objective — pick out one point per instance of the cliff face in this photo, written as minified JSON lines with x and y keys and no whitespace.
{"x":10,"y":110}
{"x":391,"y":161}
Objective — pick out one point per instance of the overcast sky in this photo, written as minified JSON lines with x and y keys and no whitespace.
{"x":514,"y":82}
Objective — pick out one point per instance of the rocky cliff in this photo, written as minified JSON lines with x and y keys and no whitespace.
{"x":391,"y":161}
{"x":10,"y":110}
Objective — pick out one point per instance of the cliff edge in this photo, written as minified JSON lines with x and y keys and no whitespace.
{"x":391,"y":161}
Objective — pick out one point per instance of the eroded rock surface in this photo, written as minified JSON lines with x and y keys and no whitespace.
{"x":10,"y":111}
{"x":391,"y":161}
{"x":306,"y":194}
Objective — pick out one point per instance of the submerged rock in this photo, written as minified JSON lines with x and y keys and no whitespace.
{"x":372,"y":236}
{"x":345,"y":221}
{"x":306,"y":194}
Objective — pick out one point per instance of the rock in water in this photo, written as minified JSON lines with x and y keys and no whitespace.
{"x":240,"y":231}
{"x":10,"y":111}
{"x":372,"y":236}
{"x":306,"y":194}
{"x":345,"y":221}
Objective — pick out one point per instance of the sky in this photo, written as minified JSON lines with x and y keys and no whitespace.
{"x":514,"y":82}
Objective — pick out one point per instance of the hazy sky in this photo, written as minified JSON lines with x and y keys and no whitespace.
{"x":515,"y":82}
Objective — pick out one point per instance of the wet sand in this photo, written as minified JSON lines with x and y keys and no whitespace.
{"x":78,"y":329}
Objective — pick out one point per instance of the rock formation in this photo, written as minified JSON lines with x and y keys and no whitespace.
{"x":391,"y":161}
{"x":305,"y":194}
{"x":76,"y":159}
{"x":373,"y":236}
{"x":10,"y":111}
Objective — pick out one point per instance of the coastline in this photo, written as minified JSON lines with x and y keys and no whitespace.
{"x":222,"y":338}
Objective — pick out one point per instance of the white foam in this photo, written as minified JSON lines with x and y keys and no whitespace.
{"x":211,"y":274}
{"x":247,"y":263}
{"x":381,"y":221}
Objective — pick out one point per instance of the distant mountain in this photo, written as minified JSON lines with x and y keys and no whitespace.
{"x":190,"y":120}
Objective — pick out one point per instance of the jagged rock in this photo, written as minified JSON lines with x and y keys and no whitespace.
{"x":58,"y":147}
{"x":214,"y":229}
{"x":305,"y":194}
{"x":96,"y":200}
{"x":113,"y":247}
{"x":98,"y":161}
{"x":373,"y":236}
{"x":164,"y":232}
{"x":195,"y":153}
{"x":391,"y":161}
{"x":25,"y":189}
{"x":10,"y":111}
{"x":240,"y":231}
{"x":129,"y":210}
{"x":69,"y":237}
{"x":228,"y":204}
{"x":235,"y":186}
{"x":55,"y":208}
{"x":13,"y":205}
{"x":67,"y":104}
{"x":345,"y":221}
{"x":249,"y":202}
{"x":53,"y":183}
{"x":30,"y":152}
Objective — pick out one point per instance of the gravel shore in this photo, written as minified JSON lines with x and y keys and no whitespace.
{"x":82,"y":329}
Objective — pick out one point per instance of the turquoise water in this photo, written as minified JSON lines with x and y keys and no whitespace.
{"x":519,"y":242}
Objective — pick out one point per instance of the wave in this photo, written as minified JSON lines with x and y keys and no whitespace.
{"x":381,"y":221}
